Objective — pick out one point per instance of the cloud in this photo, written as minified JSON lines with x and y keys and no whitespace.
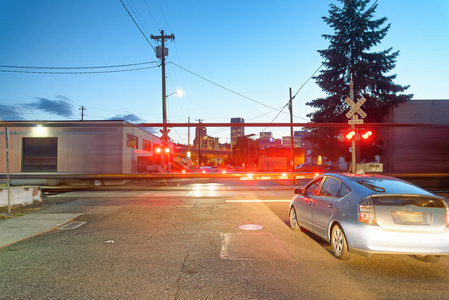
{"x":61,"y":106}
{"x":131,"y":118}
{"x":10,"y":113}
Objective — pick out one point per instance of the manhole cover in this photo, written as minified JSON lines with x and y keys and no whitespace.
{"x":250,"y":227}
{"x":72,"y":225}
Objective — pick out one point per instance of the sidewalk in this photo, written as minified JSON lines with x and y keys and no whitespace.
{"x":20,"y":228}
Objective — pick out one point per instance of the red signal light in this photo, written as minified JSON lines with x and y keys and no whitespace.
{"x":367,"y":134}
{"x":158,"y":150}
{"x":167,"y":150}
{"x":349,"y":135}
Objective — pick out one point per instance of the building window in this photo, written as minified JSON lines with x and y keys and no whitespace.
{"x":146,"y":145}
{"x":132,"y":141}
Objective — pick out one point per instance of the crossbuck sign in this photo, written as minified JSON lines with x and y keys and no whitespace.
{"x":355,"y":109}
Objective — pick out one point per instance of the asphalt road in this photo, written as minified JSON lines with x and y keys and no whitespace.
{"x":184,"y":242}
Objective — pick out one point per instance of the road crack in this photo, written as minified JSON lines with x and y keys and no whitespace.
{"x":183,"y":271}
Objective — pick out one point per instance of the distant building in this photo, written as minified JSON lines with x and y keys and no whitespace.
{"x":207,"y":142}
{"x":266,"y":140}
{"x":266,"y":135}
{"x":277,"y":159}
{"x":298,"y":137}
{"x":236,"y":131}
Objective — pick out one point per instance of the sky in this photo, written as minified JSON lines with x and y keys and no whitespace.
{"x":230,"y":58}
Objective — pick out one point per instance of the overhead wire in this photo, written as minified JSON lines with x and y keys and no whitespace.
{"x":77,"y":68}
{"x":154,"y":20}
{"x":223,"y":87}
{"x":75,"y":73}
{"x":137,"y":25}
{"x":276,"y":116}
{"x":139,"y":18}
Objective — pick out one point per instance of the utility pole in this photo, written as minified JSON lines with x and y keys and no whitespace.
{"x":198,"y":138}
{"x":189,"y":155}
{"x":161,"y":53}
{"x":82,"y":108}
{"x":292,"y":149}
{"x":188,"y":135}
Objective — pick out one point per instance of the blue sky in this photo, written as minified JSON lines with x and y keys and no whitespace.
{"x":256,"y":48}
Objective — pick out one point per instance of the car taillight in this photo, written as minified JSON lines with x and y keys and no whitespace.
{"x":366,"y":213}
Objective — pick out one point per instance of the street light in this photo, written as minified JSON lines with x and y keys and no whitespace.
{"x":179,"y":93}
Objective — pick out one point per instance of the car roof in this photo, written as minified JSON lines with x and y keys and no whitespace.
{"x":380,"y":184}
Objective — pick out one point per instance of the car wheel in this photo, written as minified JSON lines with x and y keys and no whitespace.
{"x":428,"y":258}
{"x":293,"y":220}
{"x":338,"y":243}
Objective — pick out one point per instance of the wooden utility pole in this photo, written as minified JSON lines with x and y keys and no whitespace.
{"x":199,"y":140}
{"x":82,"y":108}
{"x":161,"y":53}
{"x":292,"y":145}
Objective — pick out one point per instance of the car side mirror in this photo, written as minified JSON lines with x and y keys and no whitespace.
{"x":299,"y":191}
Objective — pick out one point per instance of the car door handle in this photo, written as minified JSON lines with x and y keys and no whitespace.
{"x":330,"y":206}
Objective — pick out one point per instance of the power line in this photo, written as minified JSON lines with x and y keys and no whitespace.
{"x":223,"y":87}
{"x":77,"y":68}
{"x":307,"y":80}
{"x":76,"y":73}
{"x":276,"y":116}
{"x":137,"y":25}
{"x":154,"y":20}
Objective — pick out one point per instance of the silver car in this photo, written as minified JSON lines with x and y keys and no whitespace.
{"x":368,"y":214}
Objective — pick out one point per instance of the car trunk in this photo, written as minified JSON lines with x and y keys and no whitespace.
{"x":410,"y":213}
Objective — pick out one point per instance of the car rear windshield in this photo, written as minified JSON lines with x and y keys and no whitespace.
{"x":408,"y":200}
{"x":389,"y":186}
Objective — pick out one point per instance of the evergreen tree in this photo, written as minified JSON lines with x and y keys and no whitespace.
{"x":348,"y":59}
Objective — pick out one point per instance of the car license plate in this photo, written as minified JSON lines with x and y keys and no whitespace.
{"x":411,"y":218}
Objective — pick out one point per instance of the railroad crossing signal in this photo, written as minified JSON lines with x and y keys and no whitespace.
{"x":355,"y":120}
{"x":355,"y":134}
{"x":355,"y":109}
{"x":165,"y":138}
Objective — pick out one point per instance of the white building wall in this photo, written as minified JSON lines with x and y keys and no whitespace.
{"x":130,"y":155}
{"x":82,"y":149}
